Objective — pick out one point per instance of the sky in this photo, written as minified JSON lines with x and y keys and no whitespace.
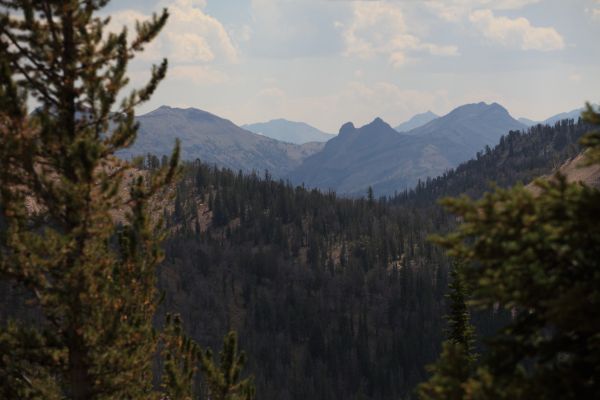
{"x":326,"y":62}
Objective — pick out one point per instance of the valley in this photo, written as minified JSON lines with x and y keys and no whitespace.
{"x":299,"y":200}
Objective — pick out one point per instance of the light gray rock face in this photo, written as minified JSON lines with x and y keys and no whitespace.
{"x":215,"y":140}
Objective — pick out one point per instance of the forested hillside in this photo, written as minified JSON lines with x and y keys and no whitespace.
{"x":166,"y":256}
{"x":333,"y":297}
{"x":519,"y":157}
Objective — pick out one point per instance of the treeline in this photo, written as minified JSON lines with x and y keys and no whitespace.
{"x":333,"y":297}
{"x":519,"y":157}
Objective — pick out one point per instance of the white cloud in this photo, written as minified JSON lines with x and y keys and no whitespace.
{"x":379,"y":28}
{"x":455,"y":10}
{"x":506,"y":4}
{"x":294,"y":29}
{"x":190,"y":36}
{"x":516,"y":32}
{"x":594,"y":11}
{"x":197,"y":74}
{"x":189,"y":47}
{"x":355,"y":100}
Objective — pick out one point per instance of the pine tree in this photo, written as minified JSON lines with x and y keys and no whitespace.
{"x":76,"y":228}
{"x":460,"y":330}
{"x":449,"y":374}
{"x":183,"y":358}
{"x":536,"y":254}
{"x":223,"y":380}
{"x":592,"y":139}
{"x":370,"y":196}
{"x":78,"y":235}
{"x":451,"y":371}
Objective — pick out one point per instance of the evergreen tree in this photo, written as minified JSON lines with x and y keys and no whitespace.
{"x":592,"y":140}
{"x":536,"y":255}
{"x":449,"y":374}
{"x":370,"y":196}
{"x":454,"y":366}
{"x":77,"y":233}
{"x":460,"y":330}
{"x":183,"y":358}
{"x":96,"y":294}
{"x":223,"y":380}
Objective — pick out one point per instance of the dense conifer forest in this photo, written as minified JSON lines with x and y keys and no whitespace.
{"x":118,"y":276}
{"x":332,"y":297}
{"x":519,"y":157}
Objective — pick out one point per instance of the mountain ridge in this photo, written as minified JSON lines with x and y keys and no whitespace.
{"x":289,"y":131}
{"x":214,"y":140}
{"x":416,"y":121}
{"x":377,"y":156}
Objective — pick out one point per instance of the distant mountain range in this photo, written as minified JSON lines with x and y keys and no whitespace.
{"x":573,"y":114}
{"x":378,"y":156}
{"x":375,"y":155}
{"x":416,"y":121}
{"x":289,"y":131}
{"x":527,"y":121}
{"x":215,"y":140}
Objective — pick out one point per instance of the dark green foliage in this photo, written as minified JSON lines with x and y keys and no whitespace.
{"x":90,"y":280}
{"x":332,"y":297}
{"x":183,"y":358}
{"x":223,"y":380}
{"x":77,"y":239}
{"x":460,"y":330}
{"x":180,"y":356}
{"x":519,"y":157}
{"x":538,"y":256}
{"x":592,"y":139}
{"x":455,"y":364}
{"x":448,"y":374}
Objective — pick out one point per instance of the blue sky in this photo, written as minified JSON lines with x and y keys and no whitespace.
{"x":326,"y":62}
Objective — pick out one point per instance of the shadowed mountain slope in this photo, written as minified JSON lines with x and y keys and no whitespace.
{"x":376,"y":155}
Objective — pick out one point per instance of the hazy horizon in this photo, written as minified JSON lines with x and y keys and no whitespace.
{"x":326,"y":62}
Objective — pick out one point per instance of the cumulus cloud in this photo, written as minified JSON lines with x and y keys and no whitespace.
{"x":356,"y":101}
{"x":197,"y":74}
{"x":190,"y":36}
{"x":379,"y":28}
{"x":294,"y":29}
{"x":516,"y":32}
{"x":455,"y":10}
{"x":594,"y":13}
